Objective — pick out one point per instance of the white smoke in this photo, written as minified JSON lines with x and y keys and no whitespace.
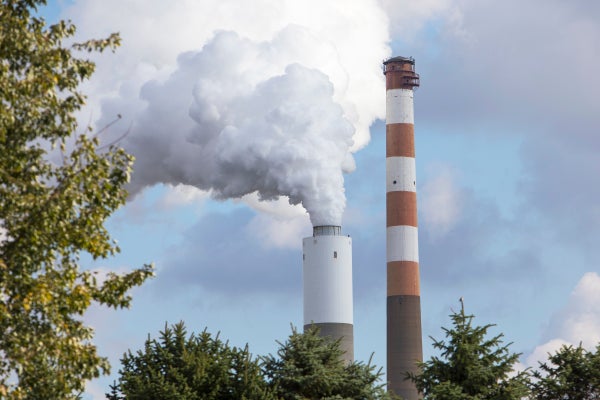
{"x":246,"y":130}
{"x":271,"y":97}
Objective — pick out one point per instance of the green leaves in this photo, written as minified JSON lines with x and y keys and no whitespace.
{"x":51,"y":212}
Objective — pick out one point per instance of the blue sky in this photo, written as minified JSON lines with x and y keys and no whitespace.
{"x":507,"y":161}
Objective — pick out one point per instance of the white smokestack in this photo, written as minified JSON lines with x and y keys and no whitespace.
{"x":327,"y":286}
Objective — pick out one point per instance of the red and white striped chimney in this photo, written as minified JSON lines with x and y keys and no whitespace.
{"x":404,"y":339}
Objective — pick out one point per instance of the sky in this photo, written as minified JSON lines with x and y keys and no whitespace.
{"x":236,"y":109}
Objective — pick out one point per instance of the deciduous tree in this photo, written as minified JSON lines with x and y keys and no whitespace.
{"x":52,"y":212}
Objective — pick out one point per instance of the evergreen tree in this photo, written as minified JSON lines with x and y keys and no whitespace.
{"x":179,"y":366}
{"x":470,"y":366}
{"x":572,"y":373}
{"x":51,"y":212}
{"x":308,"y":366}
{"x":189,"y":367}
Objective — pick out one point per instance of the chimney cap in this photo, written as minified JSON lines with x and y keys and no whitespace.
{"x":327,"y":230}
{"x":400,"y":59}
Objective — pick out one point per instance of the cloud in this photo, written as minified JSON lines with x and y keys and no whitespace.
{"x":279,"y":232}
{"x":502,"y":69}
{"x":410,"y":18}
{"x":277,"y":223}
{"x":95,"y":390}
{"x":524,"y":72}
{"x":440,"y":202}
{"x":507,"y":75}
{"x":562,"y":185}
{"x":221,"y":254}
{"x":540,"y":353}
{"x":180,"y":195}
{"x":578,"y":322}
{"x":471,"y":240}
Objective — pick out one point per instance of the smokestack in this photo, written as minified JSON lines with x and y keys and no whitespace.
{"x":404,"y":339}
{"x":327,"y":276}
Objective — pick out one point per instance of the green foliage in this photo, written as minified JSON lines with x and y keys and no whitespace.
{"x":189,"y":367}
{"x":471,"y":366}
{"x":572,"y":373}
{"x":308,"y":366}
{"x":51,"y":212}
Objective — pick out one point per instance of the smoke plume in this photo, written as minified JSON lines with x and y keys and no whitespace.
{"x":276,"y":112}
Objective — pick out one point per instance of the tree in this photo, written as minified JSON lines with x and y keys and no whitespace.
{"x":470,"y":366}
{"x":572,"y":373}
{"x":52,"y":212}
{"x":308,"y":366}
{"x":188,"y":367}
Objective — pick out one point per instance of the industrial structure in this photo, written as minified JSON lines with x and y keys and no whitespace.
{"x":327,"y":283}
{"x":404,"y":338}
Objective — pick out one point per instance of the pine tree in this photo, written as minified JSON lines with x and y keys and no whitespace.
{"x":308,"y":366}
{"x":189,"y":367}
{"x":179,"y":366}
{"x":572,"y":373}
{"x":471,"y":366}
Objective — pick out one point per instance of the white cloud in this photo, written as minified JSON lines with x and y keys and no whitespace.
{"x":278,"y":224}
{"x":179,"y":195}
{"x":578,"y":322}
{"x":408,"y":18}
{"x":95,"y":391}
{"x":540,"y":353}
{"x":440,"y":201}
{"x":274,"y":232}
